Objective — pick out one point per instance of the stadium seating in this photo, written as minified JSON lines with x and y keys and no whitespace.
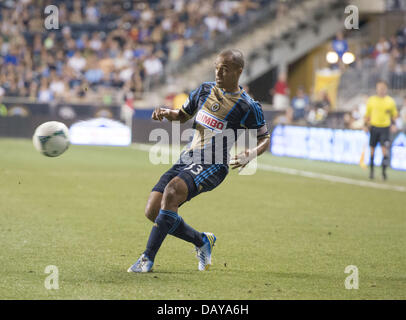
{"x":102,"y":46}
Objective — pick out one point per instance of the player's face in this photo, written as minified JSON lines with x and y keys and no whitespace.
{"x":227,"y":72}
{"x":381,"y":89}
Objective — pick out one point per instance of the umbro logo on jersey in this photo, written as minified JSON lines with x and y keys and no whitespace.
{"x":209,"y":121}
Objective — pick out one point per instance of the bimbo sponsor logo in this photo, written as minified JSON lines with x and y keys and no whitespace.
{"x":209,"y":121}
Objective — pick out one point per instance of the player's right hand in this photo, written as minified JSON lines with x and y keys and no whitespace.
{"x":160,"y":113}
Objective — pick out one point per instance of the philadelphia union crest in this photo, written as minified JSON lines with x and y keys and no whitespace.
{"x":215,"y":107}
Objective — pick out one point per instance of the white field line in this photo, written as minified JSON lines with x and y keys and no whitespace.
{"x":330,"y":178}
{"x":310,"y":174}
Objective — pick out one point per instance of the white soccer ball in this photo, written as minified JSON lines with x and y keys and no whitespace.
{"x":51,"y":138}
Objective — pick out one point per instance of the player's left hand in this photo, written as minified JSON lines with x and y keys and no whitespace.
{"x":242,"y":159}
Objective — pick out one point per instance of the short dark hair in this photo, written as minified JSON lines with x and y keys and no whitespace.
{"x":236,"y":56}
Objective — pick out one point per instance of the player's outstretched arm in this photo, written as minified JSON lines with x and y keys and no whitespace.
{"x":171,"y":115}
{"x":243,"y":158}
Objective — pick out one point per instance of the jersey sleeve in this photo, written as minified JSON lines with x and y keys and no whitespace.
{"x":254,"y":119}
{"x":190,"y":106}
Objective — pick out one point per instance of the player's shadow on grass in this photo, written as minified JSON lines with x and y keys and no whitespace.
{"x":122,"y":276}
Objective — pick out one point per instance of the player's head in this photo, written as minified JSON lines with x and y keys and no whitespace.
{"x":229,"y":65}
{"x":381,"y":88}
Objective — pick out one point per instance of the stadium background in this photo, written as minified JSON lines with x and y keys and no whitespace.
{"x":117,"y":60}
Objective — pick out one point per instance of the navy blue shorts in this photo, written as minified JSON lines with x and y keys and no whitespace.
{"x":198,"y":177}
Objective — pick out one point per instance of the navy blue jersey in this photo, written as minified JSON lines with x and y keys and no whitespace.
{"x":215,"y":111}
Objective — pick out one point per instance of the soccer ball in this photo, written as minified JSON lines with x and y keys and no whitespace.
{"x":51,"y":138}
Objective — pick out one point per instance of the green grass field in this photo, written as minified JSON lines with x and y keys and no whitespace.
{"x":279,"y":236}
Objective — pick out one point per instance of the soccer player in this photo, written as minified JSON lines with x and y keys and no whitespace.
{"x":380,"y":115}
{"x":215,"y":106}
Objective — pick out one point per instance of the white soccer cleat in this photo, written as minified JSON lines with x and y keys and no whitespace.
{"x":143,"y":264}
{"x":204,"y":252}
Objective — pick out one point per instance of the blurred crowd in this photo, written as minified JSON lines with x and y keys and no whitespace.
{"x":104,"y":47}
{"x":302,"y":109}
{"x":387,"y":58}
{"x":384,"y":60}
